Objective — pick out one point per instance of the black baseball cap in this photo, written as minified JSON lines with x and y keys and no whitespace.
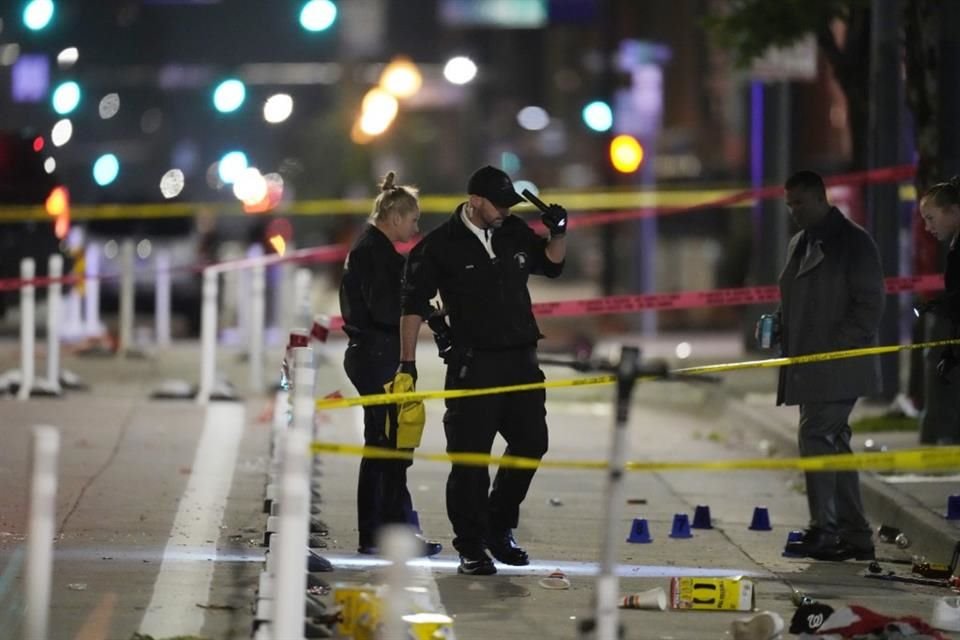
{"x":494,"y":185}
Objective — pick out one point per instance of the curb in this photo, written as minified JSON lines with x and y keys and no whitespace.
{"x":929,"y":534}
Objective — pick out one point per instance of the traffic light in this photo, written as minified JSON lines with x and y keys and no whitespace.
{"x":37,"y":14}
{"x":229,"y":95}
{"x":598,"y":116}
{"x":626,"y":153}
{"x":318,"y":15}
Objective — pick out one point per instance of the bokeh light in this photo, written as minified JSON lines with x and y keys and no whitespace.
{"x":231,"y":165}
{"x":459,"y":70}
{"x":171,"y":184}
{"x":61,"y":133}
{"x":38,"y":14}
{"x":229,"y":95}
{"x":277,"y":108}
{"x":401,"y":78}
{"x":318,"y":15}
{"x":68,"y":57}
{"x":109,"y":106}
{"x":66,"y":97}
{"x":106,"y":169}
{"x":598,"y":116}
{"x":533,"y":118}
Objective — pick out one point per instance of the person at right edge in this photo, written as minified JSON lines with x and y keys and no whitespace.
{"x":940,"y":210}
{"x":480,"y":260}
{"x":831,"y":298}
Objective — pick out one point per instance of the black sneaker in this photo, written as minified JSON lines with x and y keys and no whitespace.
{"x":505,"y":549}
{"x":476,"y":563}
{"x":843,"y":550}
{"x":813,"y":541}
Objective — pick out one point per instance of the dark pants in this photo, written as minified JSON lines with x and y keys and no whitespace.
{"x":832,"y":496}
{"x":471,"y":424}
{"x":382,"y":495}
{"x":940,"y":420}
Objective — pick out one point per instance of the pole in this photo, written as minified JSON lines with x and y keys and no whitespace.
{"x":126,"y":297}
{"x":162,"y":298}
{"x":256,"y":326}
{"x":884,"y":122}
{"x":27,"y":327}
{"x":54,"y":298}
{"x":294,"y":523}
{"x":41,"y":531}
{"x":208,"y":335}
{"x":608,"y":585}
{"x":91,"y":299}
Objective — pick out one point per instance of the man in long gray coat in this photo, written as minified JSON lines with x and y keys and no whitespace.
{"x":832,"y":298}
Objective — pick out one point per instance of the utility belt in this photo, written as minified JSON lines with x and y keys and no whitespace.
{"x":460,"y":361}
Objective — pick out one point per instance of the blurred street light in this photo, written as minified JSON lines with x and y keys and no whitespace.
{"x":533,"y":118}
{"x":598,"y":116}
{"x":231,"y":165}
{"x":68,"y":57}
{"x":378,"y":110}
{"x":38,"y":14}
{"x":318,"y":15}
{"x":66,"y":97}
{"x":277,"y":108}
{"x":109,"y":106}
{"x":626,"y":153}
{"x":459,"y":70}
{"x":229,"y":95}
{"x":401,"y":78}
{"x":61,"y":133}
{"x":106,"y":169}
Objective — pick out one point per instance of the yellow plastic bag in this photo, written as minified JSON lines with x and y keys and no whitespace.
{"x":411,"y":416}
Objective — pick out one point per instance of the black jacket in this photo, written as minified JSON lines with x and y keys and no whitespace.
{"x":370,"y":290}
{"x":947,"y":305}
{"x":831,"y":299}
{"x":486,"y":298}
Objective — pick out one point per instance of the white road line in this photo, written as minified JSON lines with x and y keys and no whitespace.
{"x":180,"y":586}
{"x":441,"y":564}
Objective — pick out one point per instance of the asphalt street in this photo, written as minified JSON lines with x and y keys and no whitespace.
{"x":160,"y":524}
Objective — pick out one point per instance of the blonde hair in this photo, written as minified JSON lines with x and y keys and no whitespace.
{"x":393,"y":198}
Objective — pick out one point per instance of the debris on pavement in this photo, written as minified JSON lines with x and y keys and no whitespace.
{"x":556,"y":580}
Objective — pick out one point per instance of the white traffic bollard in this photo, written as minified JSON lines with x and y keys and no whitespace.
{"x":208,"y":335}
{"x":91,"y":298}
{"x":399,"y":547}
{"x":28,"y":328}
{"x":162,"y":298}
{"x":291,"y":582}
{"x":41,"y":529}
{"x":127,"y":294}
{"x":257,"y":321}
{"x":54,"y":299}
{"x":302,"y":306}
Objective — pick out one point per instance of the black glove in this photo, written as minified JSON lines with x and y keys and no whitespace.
{"x":408,"y":366}
{"x":946,"y":364}
{"x":555,"y":219}
{"x":441,"y":333}
{"x":925,"y":307}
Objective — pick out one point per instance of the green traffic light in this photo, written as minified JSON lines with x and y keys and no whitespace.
{"x":318,"y":15}
{"x":38,"y":14}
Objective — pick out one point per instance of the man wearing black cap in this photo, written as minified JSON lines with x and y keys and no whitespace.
{"x":479,"y":260}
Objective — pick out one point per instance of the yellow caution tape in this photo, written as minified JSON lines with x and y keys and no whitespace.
{"x":926,"y":459}
{"x":574,"y":201}
{"x":395,"y":398}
